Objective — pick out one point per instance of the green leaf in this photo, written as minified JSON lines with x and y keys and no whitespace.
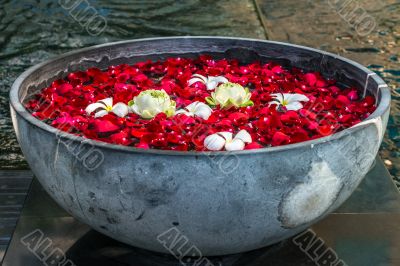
{"x":228,"y":104}
{"x":210,"y":101}
{"x":248,"y":103}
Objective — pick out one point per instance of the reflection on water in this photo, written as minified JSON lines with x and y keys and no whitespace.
{"x":32,"y":31}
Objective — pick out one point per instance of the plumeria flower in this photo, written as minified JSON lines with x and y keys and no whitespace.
{"x":210,"y":82}
{"x":196,"y":109}
{"x":230,"y":94}
{"x":288,"y":100}
{"x":217,"y":141}
{"x":103,"y":107}
{"x":149,"y":103}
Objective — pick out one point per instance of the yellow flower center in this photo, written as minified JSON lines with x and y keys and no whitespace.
{"x":108,"y":108}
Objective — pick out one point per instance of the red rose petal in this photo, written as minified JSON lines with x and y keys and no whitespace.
{"x":353,"y":95}
{"x":252,"y":146}
{"x":280,"y":138}
{"x":104,"y":126}
{"x":121,"y":138}
{"x":328,"y":110}
{"x":310,"y":78}
{"x":64,"y":88}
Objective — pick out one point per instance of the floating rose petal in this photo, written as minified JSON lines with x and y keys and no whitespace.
{"x":280,"y":138}
{"x":353,"y":95}
{"x":311,"y":78}
{"x":253,"y":145}
{"x":104,"y":126}
{"x":323,"y":108}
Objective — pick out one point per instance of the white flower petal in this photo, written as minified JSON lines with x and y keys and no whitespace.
{"x":199,"y":109}
{"x":211,"y":85}
{"x":120,"y":109}
{"x":210,"y":82}
{"x":203,"y":111}
{"x":148,"y":114}
{"x":294,"y":106}
{"x":182,"y":111}
{"x":219,"y":79}
{"x":135,"y":109}
{"x":94,"y":106}
{"x":295,"y":97}
{"x":226,"y":135}
{"x":146,"y":101}
{"x":201,"y":77}
{"x":194,"y":80}
{"x":107,"y":101}
{"x":100,"y":113}
{"x":214,"y":142}
{"x":235,"y":145}
{"x":278,"y":96}
{"x":244,"y":136}
{"x":192,"y":107}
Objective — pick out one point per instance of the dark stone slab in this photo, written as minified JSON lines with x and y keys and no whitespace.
{"x":40,"y":204}
{"x":14,"y":186}
{"x":367,"y":239}
{"x":376,"y":193}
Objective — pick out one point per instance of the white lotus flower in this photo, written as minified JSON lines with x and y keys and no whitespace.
{"x":196,"y":109}
{"x":210,"y":82}
{"x":217,"y":141}
{"x":149,"y":103}
{"x":290,"y":101}
{"x":103,"y":107}
{"x":230,"y":94}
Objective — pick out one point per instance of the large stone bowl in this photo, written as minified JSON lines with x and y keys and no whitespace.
{"x":221,"y":202}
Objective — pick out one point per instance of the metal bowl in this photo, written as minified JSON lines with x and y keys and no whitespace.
{"x":220,"y":202}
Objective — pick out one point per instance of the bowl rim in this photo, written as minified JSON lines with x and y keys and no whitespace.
{"x":382,"y":108}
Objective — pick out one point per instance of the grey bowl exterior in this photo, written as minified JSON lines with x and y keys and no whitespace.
{"x":223,"y":202}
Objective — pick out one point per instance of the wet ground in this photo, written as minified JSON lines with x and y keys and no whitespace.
{"x":366,"y":31}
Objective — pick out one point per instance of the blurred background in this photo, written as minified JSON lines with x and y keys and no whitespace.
{"x":367,"y":31}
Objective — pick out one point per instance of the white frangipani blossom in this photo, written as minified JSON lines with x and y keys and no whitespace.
{"x":289,"y":100}
{"x":196,"y":109}
{"x":103,"y":107}
{"x":217,"y":141}
{"x":210,"y":82}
